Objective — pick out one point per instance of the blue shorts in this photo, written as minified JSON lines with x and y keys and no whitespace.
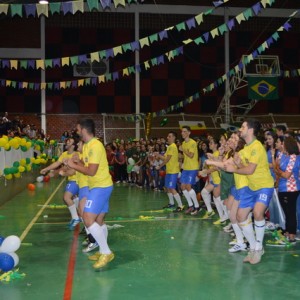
{"x":98,"y":200}
{"x":249,"y":198}
{"x":171,"y":181}
{"x":238,"y":193}
{"x":188,"y":176}
{"x":83,"y":192}
{"x":72,"y":187}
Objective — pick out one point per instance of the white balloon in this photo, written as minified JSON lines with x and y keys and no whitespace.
{"x":131,"y":161}
{"x":11,"y":244}
{"x":40,"y":179}
{"x":15,"y":257}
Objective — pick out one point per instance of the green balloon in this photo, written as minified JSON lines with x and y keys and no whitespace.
{"x":14,"y":170}
{"x":23,"y":148}
{"x":28,"y":161}
{"x":16,"y":164}
{"x":6,"y":171}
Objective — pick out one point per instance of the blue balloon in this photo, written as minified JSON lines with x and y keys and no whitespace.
{"x":1,"y":239}
{"x":6,"y":262}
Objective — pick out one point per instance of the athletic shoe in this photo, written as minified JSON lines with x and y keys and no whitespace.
{"x":228,"y":230}
{"x":179,"y":209}
{"x":227,"y":227}
{"x":276,"y":243}
{"x":169,"y":206}
{"x":189,"y":210}
{"x":219,"y":222}
{"x":249,"y":256}
{"x":237,"y":248}
{"x":256,"y":257}
{"x":95,"y":256}
{"x":292,"y":242}
{"x":118,"y":181}
{"x":90,"y":247}
{"x":195,"y":211}
{"x":73,"y":223}
{"x":208,"y":215}
{"x":103,"y":260}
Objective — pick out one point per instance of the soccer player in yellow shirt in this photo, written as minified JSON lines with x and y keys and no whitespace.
{"x":170,"y":159}
{"x":190,"y":170}
{"x":72,"y":188}
{"x":100,"y":184}
{"x":259,"y":192}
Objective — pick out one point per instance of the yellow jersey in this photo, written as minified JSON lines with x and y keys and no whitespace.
{"x":261,"y":178}
{"x":172,"y":166}
{"x":93,"y":152}
{"x":190,"y":164}
{"x":215,"y":176}
{"x":241,"y":181}
{"x":66,"y":155}
{"x":81,"y":179}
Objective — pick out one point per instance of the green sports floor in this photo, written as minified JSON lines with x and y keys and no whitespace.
{"x":166,"y":256}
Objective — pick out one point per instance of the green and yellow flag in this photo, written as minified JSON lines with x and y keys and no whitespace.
{"x":260,"y":88}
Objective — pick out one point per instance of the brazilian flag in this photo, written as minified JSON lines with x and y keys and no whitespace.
{"x":263,"y":88}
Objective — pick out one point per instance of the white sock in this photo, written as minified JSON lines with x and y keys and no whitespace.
{"x":105,"y":230}
{"x":219,"y":207}
{"x":225,"y":214}
{"x":188,"y":197}
{"x":238,"y":233}
{"x":76,"y":201}
{"x":98,"y":234}
{"x":207,"y":199}
{"x":194,"y":198}
{"x":73,"y":211}
{"x":178,"y":199}
{"x":259,"y":227}
{"x":247,"y":229}
{"x":171,"y":199}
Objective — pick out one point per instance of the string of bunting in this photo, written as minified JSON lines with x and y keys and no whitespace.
{"x":232,"y":72}
{"x":68,"y":7}
{"x":107,"y":53}
{"x":220,"y":30}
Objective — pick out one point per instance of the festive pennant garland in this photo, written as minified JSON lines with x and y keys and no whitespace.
{"x":243,"y":16}
{"x":106,"y":53}
{"x":69,"y":7}
{"x":247,"y":59}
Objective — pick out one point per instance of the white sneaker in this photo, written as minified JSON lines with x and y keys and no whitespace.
{"x":227,"y":227}
{"x":237,"y":248}
{"x":90,"y":247}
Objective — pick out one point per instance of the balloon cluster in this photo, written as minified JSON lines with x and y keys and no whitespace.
{"x":8,"y":258}
{"x":23,"y":143}
{"x":18,"y":167}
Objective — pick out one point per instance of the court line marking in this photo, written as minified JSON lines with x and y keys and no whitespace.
{"x":71,"y":266}
{"x":29,"y":226}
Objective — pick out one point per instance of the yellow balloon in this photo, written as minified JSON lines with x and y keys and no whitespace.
{"x":2,"y":142}
{"x":21,"y":169}
{"x":28,"y":168}
{"x":7,"y":146}
{"x":5,"y":137}
{"x":28,"y":145}
{"x":32,"y":159}
{"x":23,"y":142}
{"x":37,"y":147}
{"x":23,"y":162}
{"x":8,"y":177}
{"x":17,"y":175}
